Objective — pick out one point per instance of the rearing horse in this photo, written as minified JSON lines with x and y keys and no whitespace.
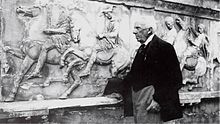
{"x":30,"y":49}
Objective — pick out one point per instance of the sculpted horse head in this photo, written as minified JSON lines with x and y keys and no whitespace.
{"x":35,"y":20}
{"x":75,"y":33}
{"x":32,"y":11}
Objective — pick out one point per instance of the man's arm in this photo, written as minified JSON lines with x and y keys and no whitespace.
{"x":195,"y":33}
{"x":172,"y":76}
{"x":173,"y":67}
{"x":63,"y":57}
{"x":172,"y":37}
{"x":127,"y":97}
{"x":180,"y":23}
{"x":51,"y":31}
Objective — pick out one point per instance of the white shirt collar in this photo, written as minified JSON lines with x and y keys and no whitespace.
{"x":149,"y":39}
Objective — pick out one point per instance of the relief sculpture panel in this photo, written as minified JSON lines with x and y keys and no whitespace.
{"x":195,"y":52}
{"x":54,"y":59}
{"x":59,"y":49}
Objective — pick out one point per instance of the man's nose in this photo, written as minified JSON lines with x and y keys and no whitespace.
{"x":134,"y":31}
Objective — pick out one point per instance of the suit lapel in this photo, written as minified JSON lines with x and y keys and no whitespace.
{"x":150,"y":48}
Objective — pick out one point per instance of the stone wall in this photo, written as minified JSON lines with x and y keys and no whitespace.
{"x":18,"y":29}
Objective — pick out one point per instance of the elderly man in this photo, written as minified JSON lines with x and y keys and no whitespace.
{"x":154,"y":78}
{"x":170,"y":35}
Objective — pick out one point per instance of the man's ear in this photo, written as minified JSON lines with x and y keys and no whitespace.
{"x":150,"y":31}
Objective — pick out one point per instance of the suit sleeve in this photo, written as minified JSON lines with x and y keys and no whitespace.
{"x":170,"y":75}
{"x":126,"y":93}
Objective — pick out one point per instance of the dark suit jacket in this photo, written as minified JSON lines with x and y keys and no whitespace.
{"x":160,"y":68}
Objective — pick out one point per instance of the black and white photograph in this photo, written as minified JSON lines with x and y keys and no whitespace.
{"x":110,"y":61}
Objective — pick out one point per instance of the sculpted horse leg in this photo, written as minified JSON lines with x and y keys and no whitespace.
{"x":14,"y":51}
{"x":89,"y":65}
{"x":71,"y":65}
{"x":25,"y":66}
{"x":76,"y":83}
{"x":212,"y":76}
{"x":49,"y":80}
{"x":77,"y":80}
{"x":75,"y":62}
{"x":120,"y":61}
{"x":41,"y":60}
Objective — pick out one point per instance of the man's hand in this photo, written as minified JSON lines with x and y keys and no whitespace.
{"x":115,"y":95}
{"x":54,"y":31}
{"x":6,"y":48}
{"x":100,"y":36}
{"x":154,"y":106}
{"x":178,"y":20}
{"x":47,"y":31}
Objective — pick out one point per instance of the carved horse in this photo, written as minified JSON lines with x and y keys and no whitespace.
{"x":30,"y":50}
{"x":190,"y":56}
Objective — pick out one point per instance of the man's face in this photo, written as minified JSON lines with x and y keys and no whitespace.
{"x":169,"y":24}
{"x":141,"y":32}
{"x":108,"y":15}
{"x":200,"y":29}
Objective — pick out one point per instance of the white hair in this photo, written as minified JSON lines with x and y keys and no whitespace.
{"x":146,"y":22}
{"x":169,"y":19}
{"x":201,"y":26}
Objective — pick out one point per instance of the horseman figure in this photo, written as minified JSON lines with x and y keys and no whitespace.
{"x":108,"y":42}
{"x":192,"y":48}
{"x":62,"y":47}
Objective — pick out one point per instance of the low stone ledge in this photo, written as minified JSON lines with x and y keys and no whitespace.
{"x":42,"y":107}
{"x":195,"y":97}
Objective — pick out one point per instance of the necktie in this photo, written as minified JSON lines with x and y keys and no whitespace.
{"x":141,"y":49}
